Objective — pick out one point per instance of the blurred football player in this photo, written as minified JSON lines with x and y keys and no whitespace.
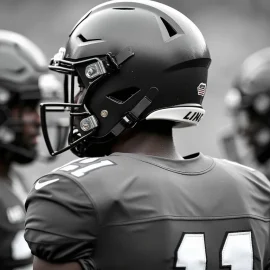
{"x":248,"y":104}
{"x":130,"y":201}
{"x":23,"y":75}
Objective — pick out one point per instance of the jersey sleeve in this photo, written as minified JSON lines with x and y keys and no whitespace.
{"x":61,"y":222}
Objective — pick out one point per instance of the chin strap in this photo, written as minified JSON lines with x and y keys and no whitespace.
{"x":132,"y":117}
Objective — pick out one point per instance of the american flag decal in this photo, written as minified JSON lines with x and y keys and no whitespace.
{"x":201,"y":89}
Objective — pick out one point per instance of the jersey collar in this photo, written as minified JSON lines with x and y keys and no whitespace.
{"x":193,"y":164}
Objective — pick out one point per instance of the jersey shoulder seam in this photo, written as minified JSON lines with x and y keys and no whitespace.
{"x":171,"y":217}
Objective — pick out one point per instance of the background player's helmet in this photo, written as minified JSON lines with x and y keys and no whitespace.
{"x":24,"y":80}
{"x":248,"y":104}
{"x":133,"y":61}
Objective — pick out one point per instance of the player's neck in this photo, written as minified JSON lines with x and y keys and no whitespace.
{"x":148,"y":144}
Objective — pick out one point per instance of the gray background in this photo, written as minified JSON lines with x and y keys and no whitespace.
{"x":232,"y":28}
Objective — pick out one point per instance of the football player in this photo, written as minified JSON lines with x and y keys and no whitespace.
{"x":248,"y":104}
{"x":131,"y":201}
{"x":23,"y":75}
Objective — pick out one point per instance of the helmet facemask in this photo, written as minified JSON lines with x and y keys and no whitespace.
{"x":83,"y":123}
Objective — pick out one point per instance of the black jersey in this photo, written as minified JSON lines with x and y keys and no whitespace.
{"x":130,"y":212}
{"x":14,"y":251}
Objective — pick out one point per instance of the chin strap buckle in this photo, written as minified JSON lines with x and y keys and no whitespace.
{"x":132,"y":117}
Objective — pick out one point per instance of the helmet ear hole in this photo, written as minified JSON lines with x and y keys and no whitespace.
{"x":123,"y":95}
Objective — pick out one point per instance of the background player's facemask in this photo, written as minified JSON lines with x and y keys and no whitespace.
{"x":82,"y":122}
{"x":248,"y":142}
{"x":14,"y":143}
{"x":248,"y":105}
{"x":24,"y":82}
{"x":254,"y":140}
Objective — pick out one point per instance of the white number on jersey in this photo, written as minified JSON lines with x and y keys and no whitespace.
{"x":75,"y":169}
{"x":237,"y":252}
{"x":191,"y":252}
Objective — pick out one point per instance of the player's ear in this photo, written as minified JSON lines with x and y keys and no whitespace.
{"x":39,"y":264}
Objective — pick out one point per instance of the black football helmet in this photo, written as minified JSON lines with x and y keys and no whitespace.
{"x":248,"y":104}
{"x":133,"y":61}
{"x":24,"y":80}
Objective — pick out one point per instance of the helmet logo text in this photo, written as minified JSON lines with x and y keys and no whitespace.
{"x":193,"y":116}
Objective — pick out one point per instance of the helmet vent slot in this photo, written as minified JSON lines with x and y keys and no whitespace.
{"x":123,"y":95}
{"x":171,"y":31}
{"x":83,"y":39}
{"x":124,"y":8}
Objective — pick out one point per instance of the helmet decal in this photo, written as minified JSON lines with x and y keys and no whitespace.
{"x":201,"y":89}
